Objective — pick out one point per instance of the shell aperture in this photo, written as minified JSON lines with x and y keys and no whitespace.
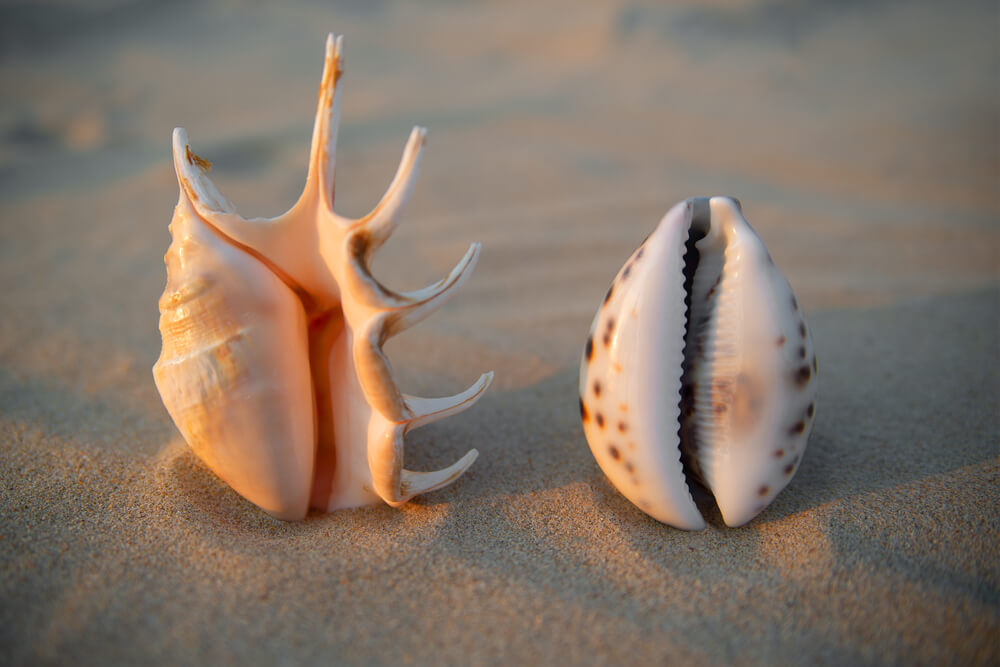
{"x":699,"y":364}
{"x":272,"y":365}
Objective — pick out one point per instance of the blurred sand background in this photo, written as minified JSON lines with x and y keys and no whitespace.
{"x":862,"y":140}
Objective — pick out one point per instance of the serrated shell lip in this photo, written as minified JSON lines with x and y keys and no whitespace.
{"x":744,"y":259}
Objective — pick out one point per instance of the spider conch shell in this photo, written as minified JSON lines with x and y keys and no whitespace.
{"x":700,"y":363}
{"x":272,"y":365}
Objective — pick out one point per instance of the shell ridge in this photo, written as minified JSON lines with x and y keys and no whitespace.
{"x":721,"y":363}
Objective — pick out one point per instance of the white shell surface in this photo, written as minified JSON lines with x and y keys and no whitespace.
{"x":753,"y":382}
{"x":630,"y":377}
{"x":745,"y":382}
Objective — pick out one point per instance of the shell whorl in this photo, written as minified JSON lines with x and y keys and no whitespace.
{"x":212,"y":353}
{"x":321,"y":261}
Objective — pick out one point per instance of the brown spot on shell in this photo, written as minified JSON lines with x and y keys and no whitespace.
{"x":584,"y":415}
{"x":599,"y":418}
{"x":763,"y":491}
{"x":195,"y":160}
{"x":744,"y":397}
{"x":779,"y":453}
{"x":192,"y":193}
{"x":711,"y":290}
{"x":627,"y":270}
{"x":811,"y":410}
{"x":795,"y":303}
{"x":802,"y":377}
{"x":589,"y":348}
{"x":629,"y":467}
{"x":790,"y":468}
{"x":613,"y":451}
{"x":638,"y":254}
{"x":622,"y":427}
{"x":797,"y":428}
{"x":597,"y":387}
{"x":802,"y":352}
{"x":359,"y":243}
{"x":802,"y":329}
{"x":815,"y":368}
{"x":780,"y":341}
{"x":607,"y":297}
{"x":719,"y":408}
{"x":609,"y":326}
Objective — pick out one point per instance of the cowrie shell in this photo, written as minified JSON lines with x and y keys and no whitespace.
{"x":699,"y":363}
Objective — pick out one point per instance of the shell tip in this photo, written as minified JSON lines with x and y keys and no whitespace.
{"x":335,"y":50}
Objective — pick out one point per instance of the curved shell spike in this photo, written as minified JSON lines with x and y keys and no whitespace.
{"x":699,"y":364}
{"x":298,"y":288}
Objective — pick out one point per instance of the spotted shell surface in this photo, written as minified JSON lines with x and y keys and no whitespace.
{"x":699,"y":364}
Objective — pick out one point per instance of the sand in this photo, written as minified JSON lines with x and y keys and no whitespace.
{"x":863,"y":144}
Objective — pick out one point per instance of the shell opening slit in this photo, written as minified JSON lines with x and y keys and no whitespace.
{"x":695,"y":325}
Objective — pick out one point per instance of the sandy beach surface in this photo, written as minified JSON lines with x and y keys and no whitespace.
{"x":863,"y":140}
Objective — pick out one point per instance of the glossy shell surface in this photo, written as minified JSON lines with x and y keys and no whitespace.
{"x":699,"y":365}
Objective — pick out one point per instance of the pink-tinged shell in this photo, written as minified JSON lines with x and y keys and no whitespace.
{"x":210,"y":366}
{"x":272,"y":364}
{"x":723,"y":391}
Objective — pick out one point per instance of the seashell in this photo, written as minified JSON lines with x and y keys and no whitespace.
{"x":699,"y":363}
{"x":272,"y":365}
